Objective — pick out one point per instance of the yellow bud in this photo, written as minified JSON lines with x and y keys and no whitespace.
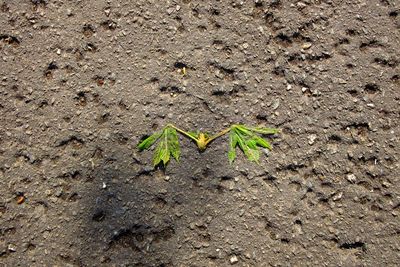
{"x":202,"y":142}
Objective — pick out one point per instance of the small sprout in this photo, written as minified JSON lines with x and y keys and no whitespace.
{"x":247,"y":138}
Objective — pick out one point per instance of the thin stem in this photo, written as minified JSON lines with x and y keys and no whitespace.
{"x":182,"y":132}
{"x":221,"y":133}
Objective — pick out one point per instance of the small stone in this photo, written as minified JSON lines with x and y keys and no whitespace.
{"x":12,"y":248}
{"x":245,"y":45}
{"x":301,"y":4}
{"x":104,"y":186}
{"x":351,"y":178}
{"x":306,"y":45}
{"x":104,"y":259}
{"x":316,"y":92}
{"x":197,"y":245}
{"x":234,"y":259}
{"x":178,"y":7}
{"x":107,"y":11}
{"x":170,"y":10}
{"x":59,"y":192}
{"x":275,"y":104}
{"x":311,"y":139}
{"x":231,"y":185}
{"x":166,"y":178}
{"x":337,"y":196}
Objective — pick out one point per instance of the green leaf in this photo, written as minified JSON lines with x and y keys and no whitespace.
{"x":250,"y":149}
{"x":195,"y":135}
{"x":249,"y":141}
{"x":233,"y":140}
{"x":253,"y":154}
{"x":243,"y":146}
{"x":264,"y":130}
{"x":174,"y":144}
{"x":161,"y":153}
{"x":263,"y":143}
{"x":243,"y":129}
{"x":168,"y":145}
{"x":231,"y":155}
{"x":149,"y":141}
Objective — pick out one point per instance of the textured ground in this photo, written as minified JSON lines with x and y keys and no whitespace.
{"x":82,"y":81}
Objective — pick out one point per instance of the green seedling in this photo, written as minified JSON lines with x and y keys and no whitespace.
{"x":248,"y":139}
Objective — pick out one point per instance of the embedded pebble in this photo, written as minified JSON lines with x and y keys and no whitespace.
{"x":275,"y":104}
{"x":311,"y":139}
{"x":12,"y":248}
{"x":306,"y":45}
{"x":351,"y":178}
{"x":234,"y":259}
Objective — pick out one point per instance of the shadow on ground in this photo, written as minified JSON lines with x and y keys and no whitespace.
{"x":138,"y":216}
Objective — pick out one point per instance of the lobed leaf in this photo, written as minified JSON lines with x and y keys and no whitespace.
{"x":251,"y":143}
{"x":174,"y":144}
{"x":249,"y":148}
{"x":168,"y":145}
{"x":149,"y":141}
{"x":264,"y":130}
{"x":248,"y":141}
{"x":243,"y":129}
{"x":161,"y":154}
{"x":263,"y":143}
{"x":233,"y":140}
{"x":253,"y":155}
